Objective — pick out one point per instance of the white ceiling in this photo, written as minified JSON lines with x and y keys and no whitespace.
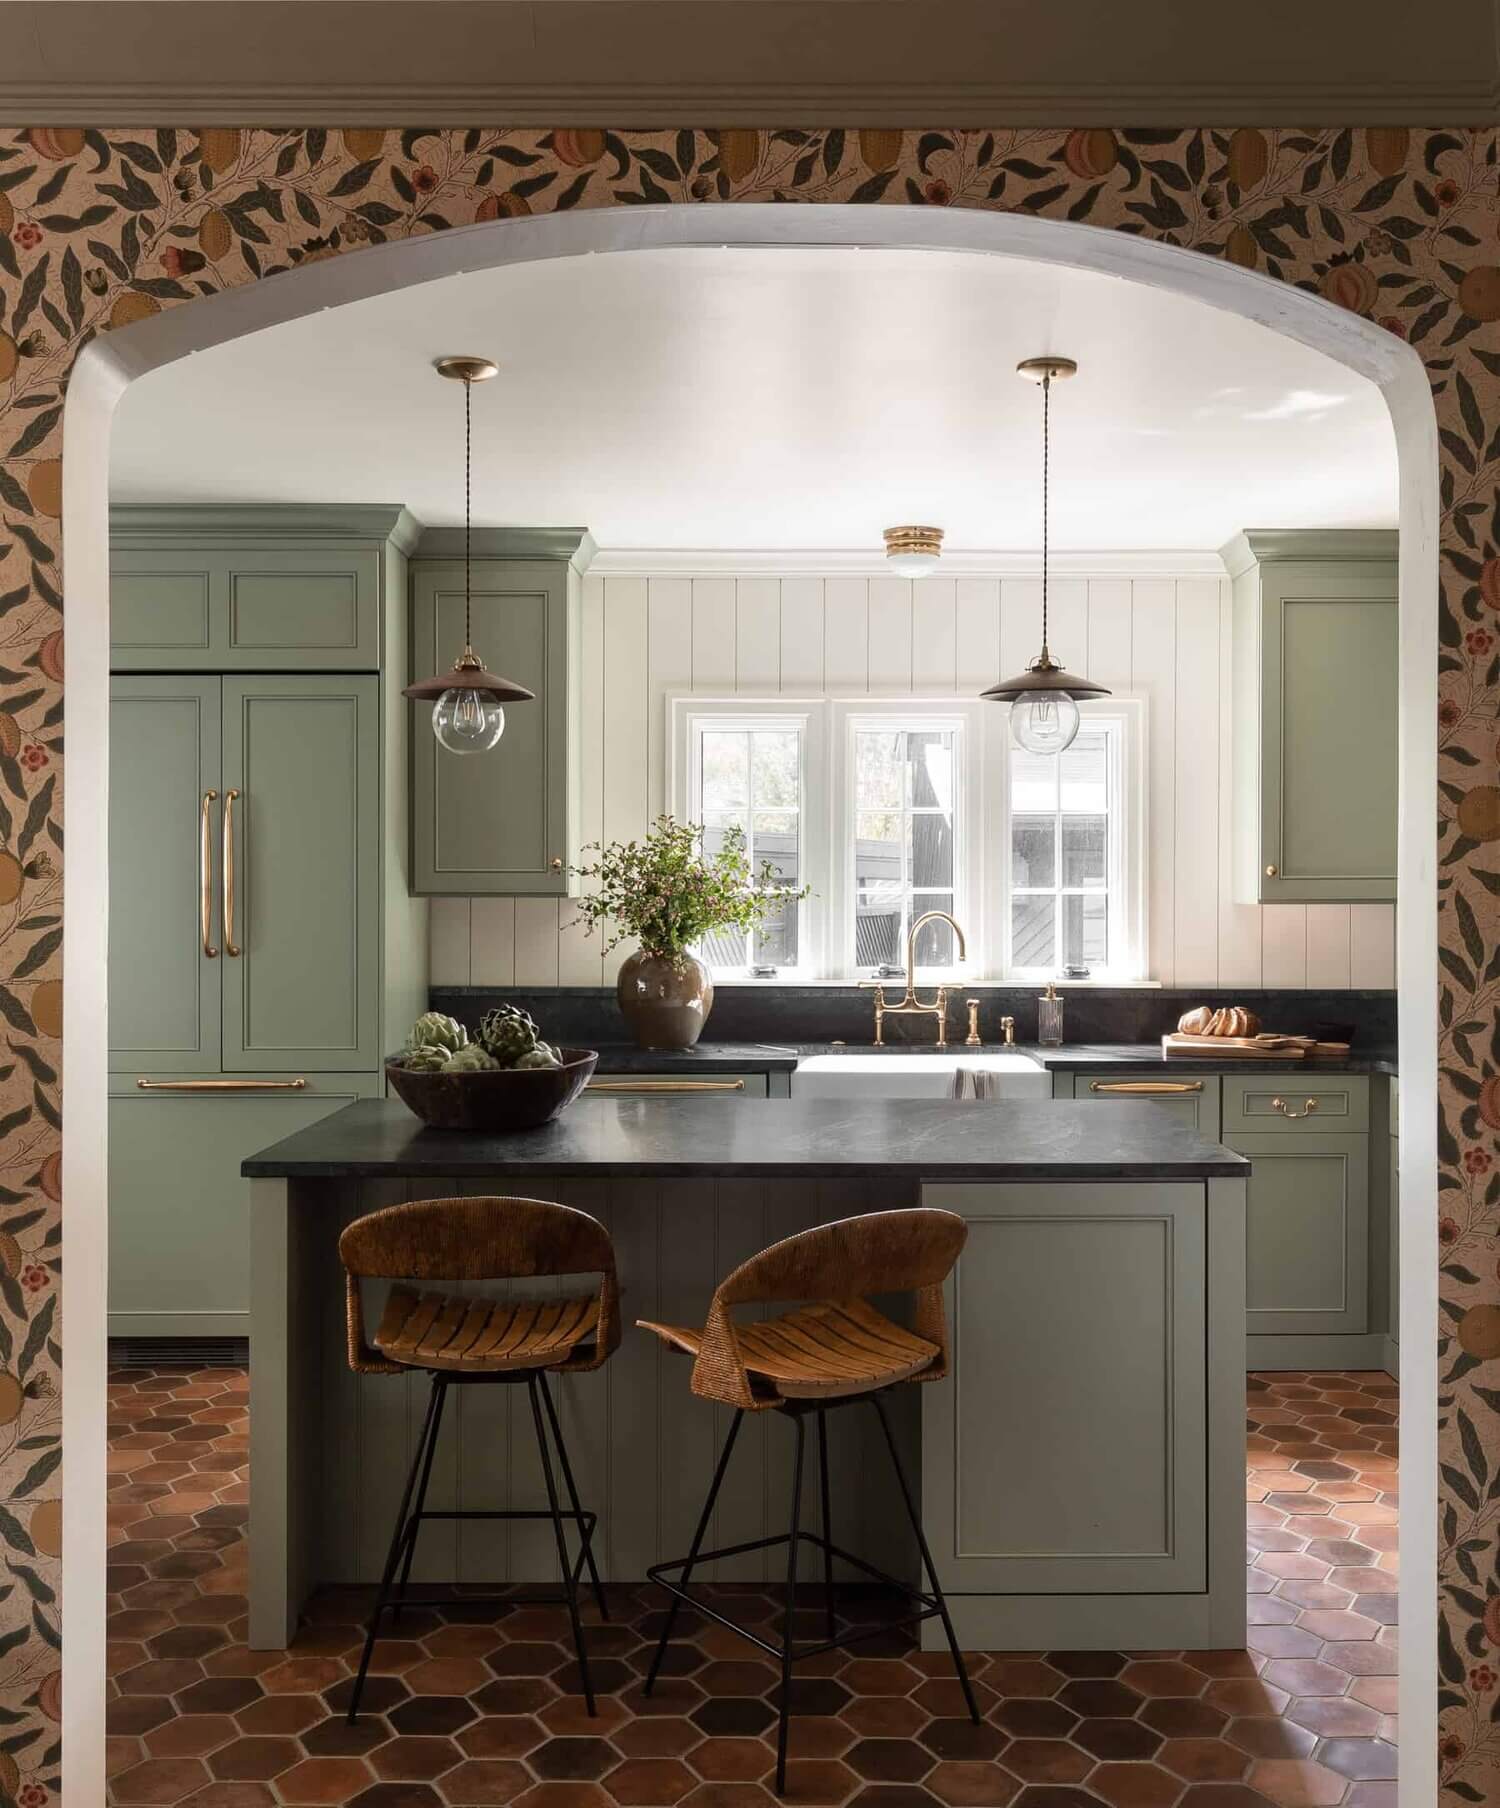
{"x":774,"y":399}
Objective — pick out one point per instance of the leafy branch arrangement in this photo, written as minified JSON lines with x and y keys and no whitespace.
{"x":668,"y":893}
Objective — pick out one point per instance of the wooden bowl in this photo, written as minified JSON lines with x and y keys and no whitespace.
{"x":504,"y":1100}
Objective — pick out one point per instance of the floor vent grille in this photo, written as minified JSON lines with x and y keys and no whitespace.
{"x":179,"y":1352}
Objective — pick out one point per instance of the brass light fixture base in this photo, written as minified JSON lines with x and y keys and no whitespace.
{"x":913,"y":539}
{"x":466,"y":370}
{"x":1034,"y":370}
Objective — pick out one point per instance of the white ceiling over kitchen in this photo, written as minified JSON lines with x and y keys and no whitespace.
{"x":769,"y":399}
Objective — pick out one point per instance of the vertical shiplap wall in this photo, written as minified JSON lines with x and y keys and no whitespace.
{"x":1167,"y":639}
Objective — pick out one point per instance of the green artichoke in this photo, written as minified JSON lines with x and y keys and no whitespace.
{"x":472,"y":1059}
{"x":427,"y":1059}
{"x":507,"y":1032}
{"x":540,"y":1056}
{"x":433,"y":1030}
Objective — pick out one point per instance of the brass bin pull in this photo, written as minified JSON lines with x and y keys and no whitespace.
{"x":205,"y":877}
{"x":1308,"y":1107}
{"x":221,"y":1085}
{"x":646,"y":1086}
{"x":230,"y":947}
{"x":1147,"y":1088}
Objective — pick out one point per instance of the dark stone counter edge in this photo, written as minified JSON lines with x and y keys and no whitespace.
{"x":472,"y":1166}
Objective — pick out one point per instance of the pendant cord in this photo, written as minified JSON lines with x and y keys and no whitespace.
{"x":1046,"y":443}
{"x":467,"y":469}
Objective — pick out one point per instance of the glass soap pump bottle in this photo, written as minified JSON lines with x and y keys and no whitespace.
{"x":1049,"y":1018}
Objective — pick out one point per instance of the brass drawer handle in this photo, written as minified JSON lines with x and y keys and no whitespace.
{"x":646,"y":1086}
{"x":1146,"y":1089}
{"x":229,"y":942}
{"x":205,"y":877}
{"x":221,"y":1085}
{"x":1308,"y":1107}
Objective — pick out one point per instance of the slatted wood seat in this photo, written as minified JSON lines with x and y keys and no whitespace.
{"x":822,"y":1351}
{"x":438,"y":1331}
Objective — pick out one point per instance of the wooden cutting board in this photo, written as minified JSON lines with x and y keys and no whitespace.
{"x":1266,"y":1047}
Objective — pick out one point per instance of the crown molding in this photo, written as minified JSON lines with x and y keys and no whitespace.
{"x":269,"y":521}
{"x":1259,"y":545}
{"x":575,"y":545}
{"x":639,"y":63}
{"x":648,"y":562}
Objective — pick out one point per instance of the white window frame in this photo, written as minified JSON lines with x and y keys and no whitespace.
{"x":962,"y":716}
{"x":1128,"y":877}
{"x":687,"y":717}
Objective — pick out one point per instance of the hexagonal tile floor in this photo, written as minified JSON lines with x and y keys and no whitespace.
{"x":463,"y":1712}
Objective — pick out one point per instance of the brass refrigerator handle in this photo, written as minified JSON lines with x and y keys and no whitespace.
{"x":230,"y":946}
{"x":205,"y":877}
{"x":221,"y":1085}
{"x":1147,"y":1088}
{"x":644,"y":1086}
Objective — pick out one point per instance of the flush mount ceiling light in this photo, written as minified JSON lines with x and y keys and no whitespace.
{"x":913,"y":551}
{"x":1043,"y":700}
{"x":468,"y":703}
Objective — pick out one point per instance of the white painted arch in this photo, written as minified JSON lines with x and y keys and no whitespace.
{"x":110,"y":363}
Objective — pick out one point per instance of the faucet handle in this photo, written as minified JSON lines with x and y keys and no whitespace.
{"x":973,"y":1040}
{"x":1008,"y":1031}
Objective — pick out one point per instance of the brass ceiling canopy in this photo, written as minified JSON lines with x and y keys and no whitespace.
{"x":913,"y":551}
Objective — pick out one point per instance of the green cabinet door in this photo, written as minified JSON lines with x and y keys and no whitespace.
{"x":179,"y":1229}
{"x":498,"y":822}
{"x":165,"y":799}
{"x":301,"y":962}
{"x":1307,"y":1232}
{"x":207,"y":605}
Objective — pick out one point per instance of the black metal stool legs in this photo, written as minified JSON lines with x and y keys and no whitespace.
{"x":789,"y":1622}
{"x":565,"y":1563}
{"x":585,"y":1533}
{"x":927,"y":1564}
{"x":696,"y":1546}
{"x":403,"y":1538}
{"x":829,"y":1621}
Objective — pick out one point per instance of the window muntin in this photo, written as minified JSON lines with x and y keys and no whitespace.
{"x":749,"y":775}
{"x":1066,"y":853}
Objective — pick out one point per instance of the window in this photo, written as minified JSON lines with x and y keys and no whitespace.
{"x":893,"y":807}
{"x":1071,"y":895}
{"x":748,"y":773}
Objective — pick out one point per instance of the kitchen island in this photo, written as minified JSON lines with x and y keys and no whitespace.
{"x":1082,"y":1471}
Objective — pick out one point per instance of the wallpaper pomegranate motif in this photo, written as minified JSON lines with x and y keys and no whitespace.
{"x":102,"y":228}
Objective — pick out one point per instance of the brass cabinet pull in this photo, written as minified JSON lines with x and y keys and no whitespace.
{"x":205,"y":877}
{"x":644,"y":1086}
{"x":221,"y":1085}
{"x":229,"y":942}
{"x":1147,"y":1088}
{"x":555,"y":863}
{"x":1308,"y":1107}
{"x":1271,"y":872}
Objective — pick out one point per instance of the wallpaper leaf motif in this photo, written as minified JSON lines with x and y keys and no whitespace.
{"x":99,"y":229}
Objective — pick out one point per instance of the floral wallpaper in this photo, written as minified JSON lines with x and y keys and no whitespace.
{"x":102,"y":228}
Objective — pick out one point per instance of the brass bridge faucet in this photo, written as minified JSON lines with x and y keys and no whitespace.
{"x":910,"y":1005}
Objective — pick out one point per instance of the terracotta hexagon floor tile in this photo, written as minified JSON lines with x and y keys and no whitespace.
{"x":1162,"y":1676}
{"x":1177,"y":1718}
{"x":808,"y":1780}
{"x":666,"y":1738}
{"x":1263,"y":1737}
{"x":190,"y":1735}
{"x":573,"y":1759}
{"x":412,"y":1758}
{"x":729,"y":1795}
{"x":479,"y":1782}
{"x":732,"y":1760}
{"x":323,"y":1781}
{"x":1047,"y":1761}
{"x":158,"y":1781}
{"x":1203,"y":1760}
{"x":1135,"y":1785}
{"x":564,"y":1795}
{"x":1297,"y":1783}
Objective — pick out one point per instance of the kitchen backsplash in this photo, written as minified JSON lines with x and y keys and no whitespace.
{"x":1165,"y":638}
{"x":587,"y":1016}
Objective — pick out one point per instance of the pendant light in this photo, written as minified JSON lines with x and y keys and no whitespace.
{"x":1043,"y":700}
{"x":468,"y":703}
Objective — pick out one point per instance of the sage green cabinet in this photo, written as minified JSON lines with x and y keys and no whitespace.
{"x":164,"y":968}
{"x":179,"y":1225}
{"x":504,"y":822}
{"x":687,"y":1086}
{"x":1191,"y":1100}
{"x":1315,"y":715}
{"x":245,"y":874}
{"x":1307,"y":1233}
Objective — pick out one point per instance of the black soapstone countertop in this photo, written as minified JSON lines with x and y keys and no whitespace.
{"x":1074,"y":1057}
{"x":807,"y":1139}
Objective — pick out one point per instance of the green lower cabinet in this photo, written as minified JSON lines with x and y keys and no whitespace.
{"x":676,"y":1085}
{"x":179,"y":1229}
{"x":1307,"y":1234}
{"x":1192,"y":1100}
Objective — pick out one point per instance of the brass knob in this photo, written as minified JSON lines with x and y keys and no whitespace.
{"x":1270,"y":872}
{"x":556,"y":863}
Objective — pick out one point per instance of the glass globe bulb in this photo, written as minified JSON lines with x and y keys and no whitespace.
{"x":1044,"y":722}
{"x":467,"y":721}
{"x":913,"y":564}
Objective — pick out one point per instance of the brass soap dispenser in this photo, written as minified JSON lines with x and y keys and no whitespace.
{"x":1049,"y":1018}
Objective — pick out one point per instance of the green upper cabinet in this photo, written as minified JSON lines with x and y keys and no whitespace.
{"x":1315,"y":781}
{"x":225,"y":590}
{"x":502,"y":822}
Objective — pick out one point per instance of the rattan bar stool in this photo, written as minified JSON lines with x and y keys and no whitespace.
{"x":466,"y":1340}
{"x":834,"y":1350}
